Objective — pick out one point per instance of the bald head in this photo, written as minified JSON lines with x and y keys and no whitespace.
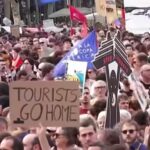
{"x":145,"y":67}
{"x":28,"y":141}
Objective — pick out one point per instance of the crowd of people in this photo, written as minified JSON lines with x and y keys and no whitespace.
{"x":33,"y":57}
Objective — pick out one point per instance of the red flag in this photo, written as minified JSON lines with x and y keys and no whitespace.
{"x":84,"y":31}
{"x":76,"y":15}
{"x":123,"y":16}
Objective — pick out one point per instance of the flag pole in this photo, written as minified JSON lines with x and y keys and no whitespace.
{"x":94,"y":19}
{"x":71,"y":23}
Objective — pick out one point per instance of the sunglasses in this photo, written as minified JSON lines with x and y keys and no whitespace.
{"x":131,"y":131}
{"x":51,"y":46}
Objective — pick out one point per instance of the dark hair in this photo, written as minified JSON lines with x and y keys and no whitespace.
{"x":87,"y":120}
{"x":131,"y":122}
{"x":97,"y":108}
{"x":21,"y":73}
{"x":110,"y":137}
{"x":4,"y":88}
{"x":46,"y":68}
{"x":4,"y":135}
{"x":17,"y":49}
{"x":31,"y":61}
{"x":141,"y":48}
{"x":117,"y":147}
{"x":142,"y":57}
{"x":25,"y":52}
{"x":71,"y":134}
{"x":17,"y":145}
{"x":36,"y":141}
{"x":97,"y":144}
{"x":142,"y":118}
{"x":134,"y":104}
{"x":122,"y":96}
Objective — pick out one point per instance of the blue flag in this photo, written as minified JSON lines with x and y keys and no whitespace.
{"x":48,"y":1}
{"x":85,"y":50}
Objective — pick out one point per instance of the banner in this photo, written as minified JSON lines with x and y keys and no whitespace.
{"x":83,"y":51}
{"x":137,"y":16}
{"x":51,"y":103}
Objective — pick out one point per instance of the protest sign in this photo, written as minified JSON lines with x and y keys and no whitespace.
{"x":101,"y":7}
{"x":52,"y":103}
{"x":77,"y":70}
{"x":135,"y":11}
{"x":107,"y":8}
{"x":112,"y":55}
{"x":111,"y":11}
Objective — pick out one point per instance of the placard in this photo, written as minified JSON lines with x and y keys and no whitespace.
{"x":52,"y":103}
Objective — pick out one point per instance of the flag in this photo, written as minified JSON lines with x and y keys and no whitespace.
{"x":48,"y":1}
{"x":123,"y":17}
{"x":76,"y":15}
{"x":85,"y":50}
{"x":84,"y":30}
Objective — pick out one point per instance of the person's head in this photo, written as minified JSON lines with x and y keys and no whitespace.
{"x":15,"y":52}
{"x":35,"y":41}
{"x":142,"y":118}
{"x":129,"y":131}
{"x":4,"y":135}
{"x":28,"y":64}
{"x":117,"y":147}
{"x":98,"y":89}
{"x":66,"y":136}
{"x":97,"y":107}
{"x":124,"y":115}
{"x":129,"y":51}
{"x":51,"y":43}
{"x":11,"y":143}
{"x":21,"y":75}
{"x":134,"y":106}
{"x":96,"y":146}
{"x":108,"y":137}
{"x":24,"y":54}
{"x":30,"y":142}
{"x":47,"y":71}
{"x":123,"y":101}
{"x":87,"y":130}
{"x":139,"y":60}
{"x":85,"y":98}
{"x":91,"y":74}
{"x":43,"y":42}
{"x":3,"y":124}
{"x":67,"y":43}
{"x":145,"y":72}
{"x":101,"y":119}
